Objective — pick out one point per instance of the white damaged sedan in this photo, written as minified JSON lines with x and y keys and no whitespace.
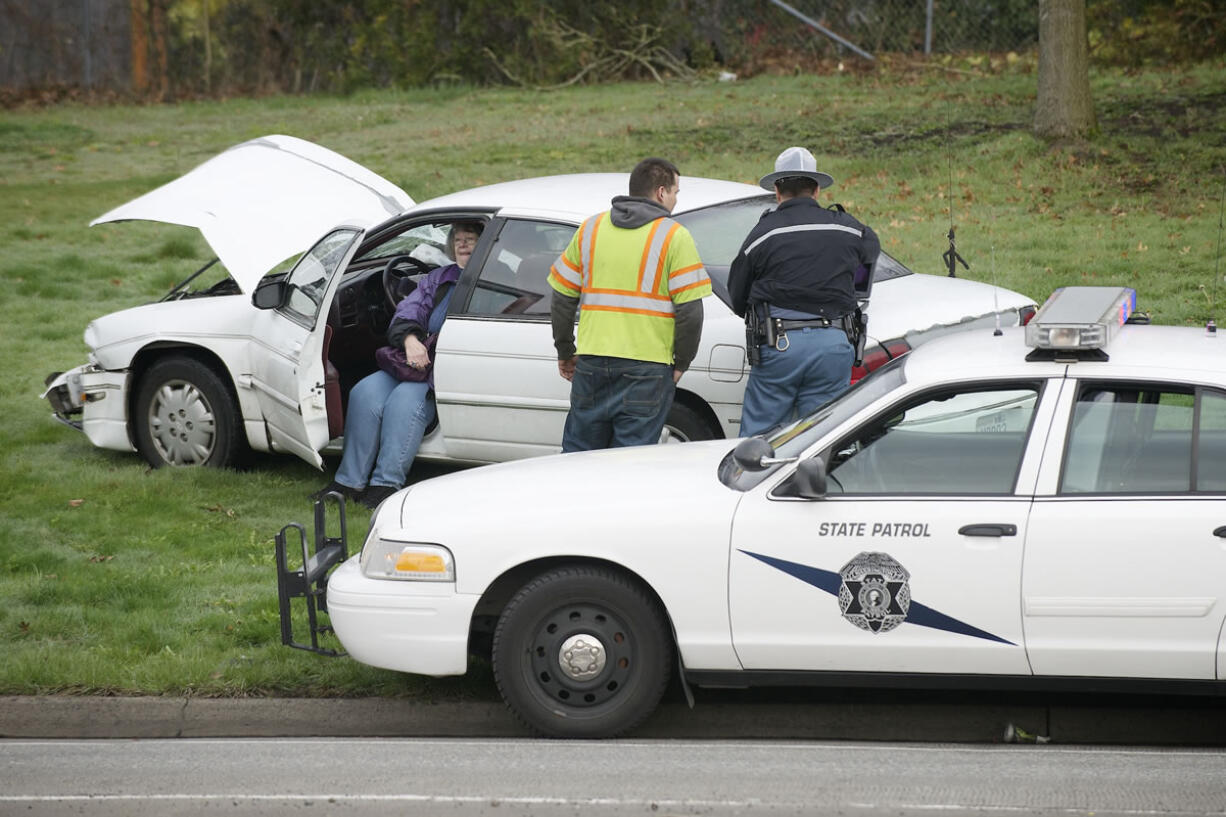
{"x":264,"y":361}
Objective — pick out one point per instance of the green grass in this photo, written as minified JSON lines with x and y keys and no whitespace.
{"x":118,"y":579}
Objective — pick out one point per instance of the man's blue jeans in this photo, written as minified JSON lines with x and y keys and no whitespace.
{"x":384,"y":426}
{"x":616,"y":402}
{"x":813,"y":369}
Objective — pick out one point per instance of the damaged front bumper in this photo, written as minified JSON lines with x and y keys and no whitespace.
{"x":94,"y":401}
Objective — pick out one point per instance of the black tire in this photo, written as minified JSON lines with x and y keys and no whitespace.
{"x":577,"y":607}
{"x":186,"y":415}
{"x":685,"y":425}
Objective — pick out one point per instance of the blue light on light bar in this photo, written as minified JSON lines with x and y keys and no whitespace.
{"x":1081,"y":318}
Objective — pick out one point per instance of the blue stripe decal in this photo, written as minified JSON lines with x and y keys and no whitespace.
{"x":919,"y":614}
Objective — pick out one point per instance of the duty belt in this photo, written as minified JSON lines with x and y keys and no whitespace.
{"x":821,"y":323}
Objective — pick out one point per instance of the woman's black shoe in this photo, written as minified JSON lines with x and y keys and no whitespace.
{"x":375,"y":494}
{"x":335,"y":487}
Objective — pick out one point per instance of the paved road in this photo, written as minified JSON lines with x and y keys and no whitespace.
{"x":523,"y":777}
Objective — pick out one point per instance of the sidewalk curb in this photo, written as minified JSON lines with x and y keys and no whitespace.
{"x":87,"y":717}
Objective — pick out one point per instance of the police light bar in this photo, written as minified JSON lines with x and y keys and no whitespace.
{"x":1080,"y":318}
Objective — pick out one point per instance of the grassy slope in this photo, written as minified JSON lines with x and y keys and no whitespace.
{"x":116,"y":578}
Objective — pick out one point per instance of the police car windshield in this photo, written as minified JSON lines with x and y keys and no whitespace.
{"x":792,"y":439}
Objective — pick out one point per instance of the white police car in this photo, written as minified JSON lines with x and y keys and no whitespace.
{"x":1050,"y":511}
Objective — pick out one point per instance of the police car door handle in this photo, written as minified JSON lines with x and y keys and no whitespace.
{"x":988,"y":529}
{"x":1220,"y":532}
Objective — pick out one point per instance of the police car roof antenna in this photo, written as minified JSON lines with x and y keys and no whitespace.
{"x":1211,"y":327}
{"x":951,"y":256}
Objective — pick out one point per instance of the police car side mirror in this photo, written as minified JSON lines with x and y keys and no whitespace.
{"x":810,"y":479}
{"x":750,"y":452}
{"x":756,"y":454}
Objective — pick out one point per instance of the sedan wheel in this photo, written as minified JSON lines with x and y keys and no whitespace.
{"x":185,"y":415}
{"x":582,"y":652}
{"x":686,"y":425}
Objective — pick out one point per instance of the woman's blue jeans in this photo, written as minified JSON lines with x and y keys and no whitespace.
{"x":384,"y":425}
{"x":813,"y":369}
{"x":616,"y":402}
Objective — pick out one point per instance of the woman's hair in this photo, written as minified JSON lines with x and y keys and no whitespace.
{"x":466,"y":226}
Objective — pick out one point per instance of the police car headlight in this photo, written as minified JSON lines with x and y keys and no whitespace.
{"x":406,"y":561}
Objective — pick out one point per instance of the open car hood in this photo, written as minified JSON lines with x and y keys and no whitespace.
{"x":265,"y":200}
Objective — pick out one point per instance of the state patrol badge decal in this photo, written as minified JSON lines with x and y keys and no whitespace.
{"x":874,"y":594}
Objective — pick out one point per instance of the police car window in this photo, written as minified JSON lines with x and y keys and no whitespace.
{"x":792,"y":439}
{"x":1127,"y":438}
{"x":514,"y":280}
{"x":1211,"y":442}
{"x":967,"y":441}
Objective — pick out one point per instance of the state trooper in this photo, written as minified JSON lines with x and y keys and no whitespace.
{"x":793,"y":282}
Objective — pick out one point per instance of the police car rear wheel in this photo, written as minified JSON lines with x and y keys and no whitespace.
{"x":582,"y":652}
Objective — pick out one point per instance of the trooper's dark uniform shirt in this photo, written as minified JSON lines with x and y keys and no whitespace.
{"x":802,"y":257}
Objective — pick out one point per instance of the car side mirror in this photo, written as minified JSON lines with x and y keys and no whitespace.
{"x":810,"y":479}
{"x":270,"y":294}
{"x":756,"y":454}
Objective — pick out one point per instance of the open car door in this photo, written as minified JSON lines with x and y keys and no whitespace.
{"x":287,"y":367}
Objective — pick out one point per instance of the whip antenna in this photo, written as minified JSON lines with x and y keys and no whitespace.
{"x":1211,"y":327}
{"x":950,"y":256}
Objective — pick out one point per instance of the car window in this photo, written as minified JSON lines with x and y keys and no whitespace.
{"x":953,"y":441}
{"x":514,"y":278}
{"x":309,"y":278}
{"x":426,"y":242}
{"x":1128,"y":438}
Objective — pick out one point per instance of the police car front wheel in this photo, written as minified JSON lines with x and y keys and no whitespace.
{"x":582,"y":652}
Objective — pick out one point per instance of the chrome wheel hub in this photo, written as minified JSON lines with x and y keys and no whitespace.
{"x":182,"y":424}
{"x":582,"y":657}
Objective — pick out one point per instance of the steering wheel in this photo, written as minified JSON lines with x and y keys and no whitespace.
{"x":393,"y":274}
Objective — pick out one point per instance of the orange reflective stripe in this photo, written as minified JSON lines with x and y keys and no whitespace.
{"x":628,"y":310}
{"x":566,"y":283}
{"x":588,"y":249}
{"x":704,"y":282}
{"x":629,"y":293}
{"x":684,"y":270}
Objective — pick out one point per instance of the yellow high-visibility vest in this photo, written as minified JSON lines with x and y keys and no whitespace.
{"x":627,"y":282}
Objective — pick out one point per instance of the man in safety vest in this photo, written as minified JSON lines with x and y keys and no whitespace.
{"x":635,"y":276}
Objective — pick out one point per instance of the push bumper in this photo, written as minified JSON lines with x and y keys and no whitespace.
{"x":310,"y":580}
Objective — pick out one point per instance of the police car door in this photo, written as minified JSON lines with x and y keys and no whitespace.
{"x":1126,"y":553}
{"x":287,"y":369}
{"x":912,"y":561}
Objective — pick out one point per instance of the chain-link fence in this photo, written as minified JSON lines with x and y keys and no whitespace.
{"x":269,"y":44}
{"x":81,"y":43}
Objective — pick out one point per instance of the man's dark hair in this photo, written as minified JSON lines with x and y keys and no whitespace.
{"x":650,"y":174}
{"x":796,"y":186}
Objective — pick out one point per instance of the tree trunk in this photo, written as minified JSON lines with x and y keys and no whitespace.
{"x":140,"y":47}
{"x":1064,"y":109}
{"x":161,"y":37}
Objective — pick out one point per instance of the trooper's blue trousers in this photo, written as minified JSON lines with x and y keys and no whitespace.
{"x":813,"y":369}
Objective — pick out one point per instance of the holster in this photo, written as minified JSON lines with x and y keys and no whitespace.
{"x":759,"y":329}
{"x":855,"y":326}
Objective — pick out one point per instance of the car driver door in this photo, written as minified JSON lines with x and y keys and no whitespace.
{"x":911,"y":561}
{"x":496,"y":380}
{"x":286,"y":352}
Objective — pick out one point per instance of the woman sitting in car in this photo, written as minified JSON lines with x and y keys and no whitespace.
{"x":387,"y":416}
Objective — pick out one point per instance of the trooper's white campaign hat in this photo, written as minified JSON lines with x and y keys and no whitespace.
{"x":793,"y":162}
